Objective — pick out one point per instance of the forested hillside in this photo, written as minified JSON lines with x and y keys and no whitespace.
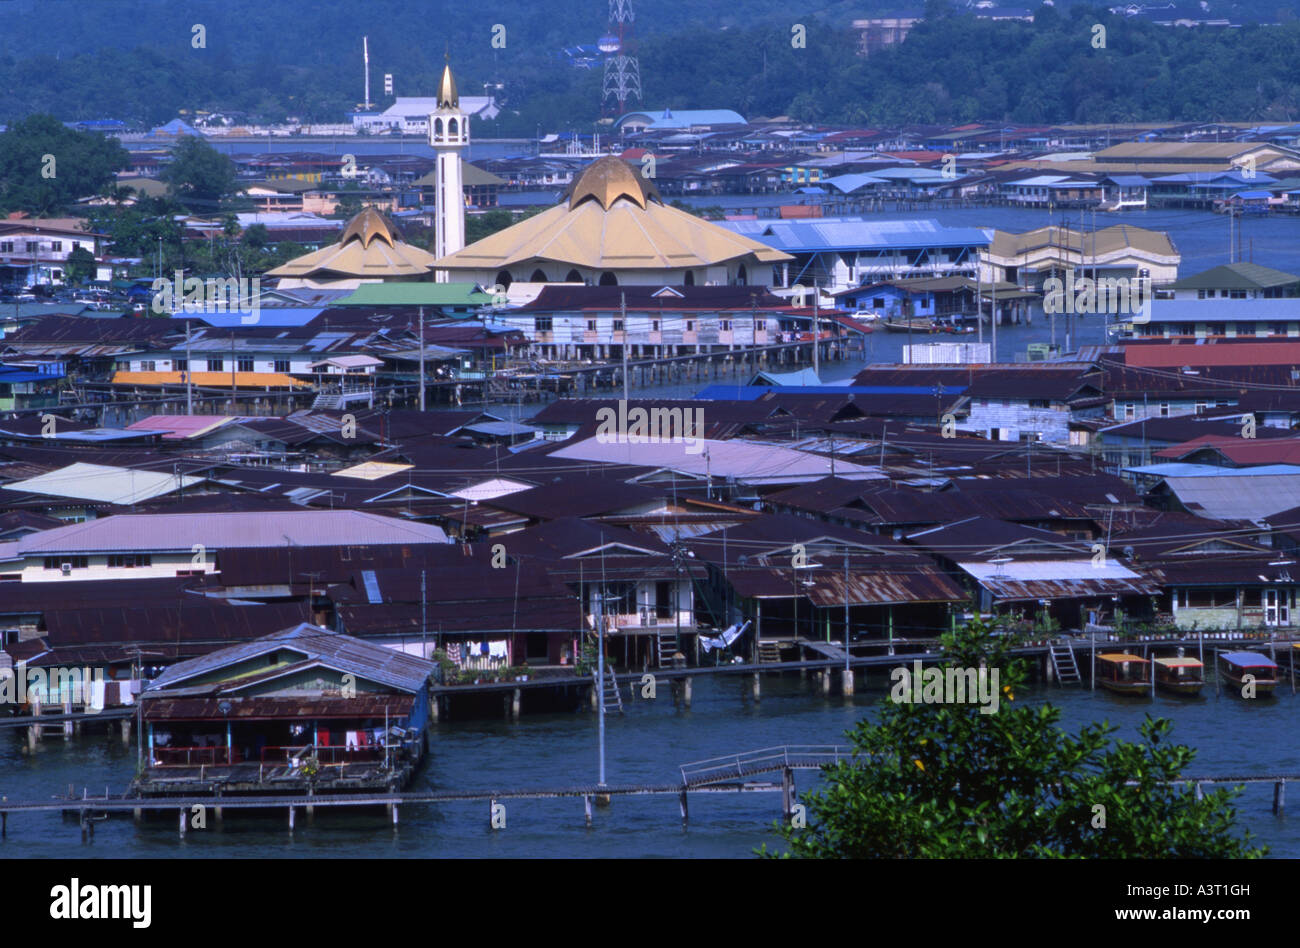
{"x":134,"y":60}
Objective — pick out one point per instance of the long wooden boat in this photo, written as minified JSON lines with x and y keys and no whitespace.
{"x":1235,"y":666}
{"x":1179,"y":675}
{"x":1124,"y":674}
{"x":915,"y":324}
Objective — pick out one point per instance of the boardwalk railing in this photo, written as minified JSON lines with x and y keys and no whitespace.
{"x":767,"y":760}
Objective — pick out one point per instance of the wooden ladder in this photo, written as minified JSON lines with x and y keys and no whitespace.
{"x":613,"y":695}
{"x":769,"y":651}
{"x":666,"y":644}
{"x":1067,"y":669}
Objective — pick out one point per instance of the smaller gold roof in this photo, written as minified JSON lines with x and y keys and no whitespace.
{"x":368,"y":225}
{"x":448,"y":98}
{"x":609,"y":178}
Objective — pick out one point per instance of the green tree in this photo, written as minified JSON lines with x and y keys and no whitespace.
{"x":198,"y":175}
{"x":80,"y":266}
{"x":45,"y":166}
{"x":944,"y":780}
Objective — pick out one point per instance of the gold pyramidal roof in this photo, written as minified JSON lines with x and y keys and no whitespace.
{"x":369,"y":248}
{"x":448,"y":98}
{"x":613,"y":220}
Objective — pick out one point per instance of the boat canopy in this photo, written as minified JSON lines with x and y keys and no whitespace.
{"x":1176,"y":662}
{"x":1121,"y":657}
{"x":1249,"y":660}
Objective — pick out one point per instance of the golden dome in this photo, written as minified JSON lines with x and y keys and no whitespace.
{"x":448,"y":98}
{"x":608,"y":179}
{"x":368,"y":225}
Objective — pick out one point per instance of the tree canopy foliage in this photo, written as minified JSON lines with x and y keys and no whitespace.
{"x":45,"y":166}
{"x":944,"y":780}
{"x":952,"y":67}
{"x":198,"y":175}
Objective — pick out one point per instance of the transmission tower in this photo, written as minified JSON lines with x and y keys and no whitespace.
{"x":622,"y":73}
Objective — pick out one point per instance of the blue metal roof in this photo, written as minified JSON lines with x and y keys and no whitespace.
{"x":266,"y":316}
{"x":749,"y":393}
{"x":829,"y":234}
{"x":1184,"y":469}
{"x":1249,"y":659}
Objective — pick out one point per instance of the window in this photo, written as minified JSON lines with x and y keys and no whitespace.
{"x":58,"y":562}
{"x":542,"y":323}
{"x":1164,"y":409}
{"x":216,"y":365}
{"x":129,"y":560}
{"x":654,"y":325}
{"x":148,"y":366}
{"x":56,"y":245}
{"x":244,"y":364}
{"x":33,"y":246}
{"x":6,"y":246}
{"x":690,"y":325}
{"x":724,"y":325}
{"x":618,"y":325}
{"x":182,"y":365}
{"x":282,"y":365}
{"x":1200,"y":294}
{"x":591,"y":325}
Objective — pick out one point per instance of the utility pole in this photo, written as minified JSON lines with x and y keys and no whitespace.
{"x":993,"y":297}
{"x":600,"y":671}
{"x":189,"y":373}
{"x":846,"y":614}
{"x":424,"y":618}
{"x":622,"y":312}
{"x":421,"y":358}
{"x":816,"y":330}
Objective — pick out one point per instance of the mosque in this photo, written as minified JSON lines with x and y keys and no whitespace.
{"x":611,"y":229}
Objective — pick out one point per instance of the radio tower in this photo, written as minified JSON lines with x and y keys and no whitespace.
{"x":622,"y":74}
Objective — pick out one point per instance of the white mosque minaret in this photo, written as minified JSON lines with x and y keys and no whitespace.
{"x":448,"y":135}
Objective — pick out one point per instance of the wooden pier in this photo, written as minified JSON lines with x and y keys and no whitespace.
{"x":729,"y":774}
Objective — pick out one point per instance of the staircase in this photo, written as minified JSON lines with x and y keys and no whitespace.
{"x":1067,"y":669}
{"x":613,"y":696}
{"x":666,"y":643}
{"x":769,"y":651}
{"x":327,"y":402}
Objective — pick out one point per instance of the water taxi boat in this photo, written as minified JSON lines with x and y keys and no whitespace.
{"x":1179,"y":675}
{"x":1235,"y":666}
{"x":1123,"y":673}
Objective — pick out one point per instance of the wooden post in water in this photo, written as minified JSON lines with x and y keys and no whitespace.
{"x":1092,"y":679}
{"x":1218,"y":683}
{"x":1279,"y":797}
{"x":586,"y":806}
{"x":686,"y":691}
{"x":183,"y":816}
{"x":787,"y":794}
{"x":681,"y":799}
{"x":756,"y":687}
{"x":291,"y":818}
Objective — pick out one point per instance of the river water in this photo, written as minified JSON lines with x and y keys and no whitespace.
{"x":646,"y":745}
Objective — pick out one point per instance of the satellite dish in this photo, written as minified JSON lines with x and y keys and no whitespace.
{"x":609,"y":43}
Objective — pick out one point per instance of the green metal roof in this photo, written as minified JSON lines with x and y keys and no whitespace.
{"x":1236,"y":276}
{"x":416,"y":294}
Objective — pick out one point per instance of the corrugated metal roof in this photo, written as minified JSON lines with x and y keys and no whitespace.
{"x":795,"y":236}
{"x":218,"y":531}
{"x":343,"y":653}
{"x":99,"y":482}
